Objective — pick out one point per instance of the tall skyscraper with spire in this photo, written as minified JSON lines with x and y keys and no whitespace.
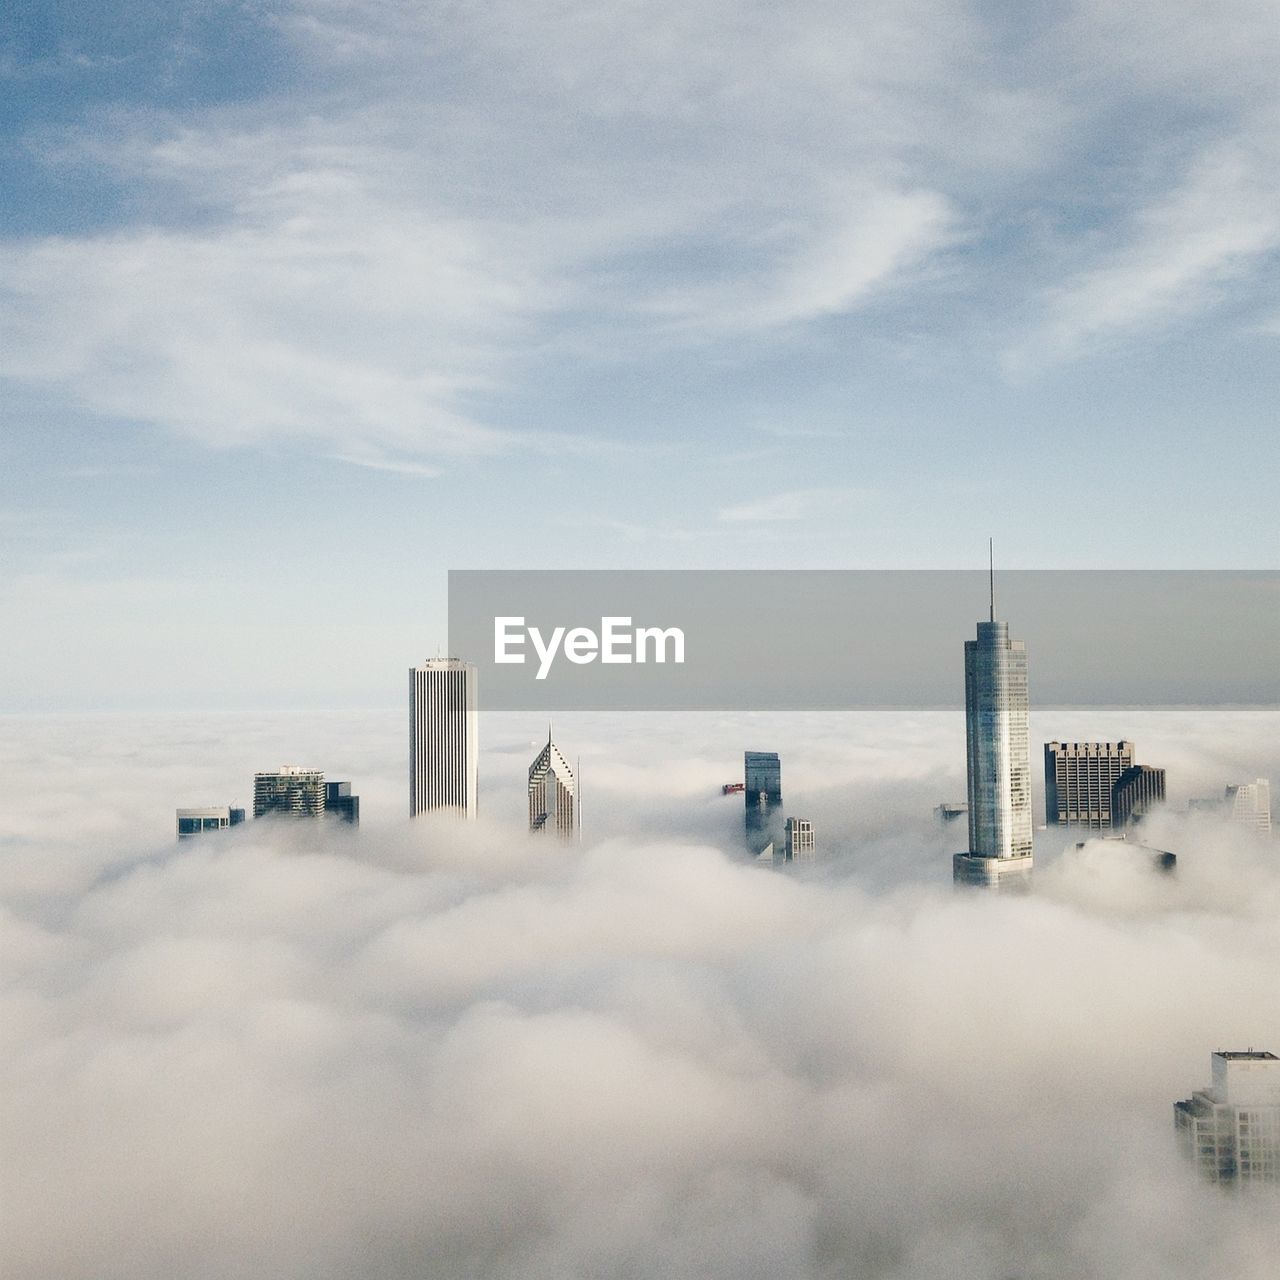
{"x":444,"y":753}
{"x":998,"y":751}
{"x":553,"y":792}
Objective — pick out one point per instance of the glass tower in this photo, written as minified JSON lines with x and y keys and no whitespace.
{"x":998,"y":750}
{"x":762,"y":774}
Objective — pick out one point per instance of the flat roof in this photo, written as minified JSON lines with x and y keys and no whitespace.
{"x":1246,"y":1055}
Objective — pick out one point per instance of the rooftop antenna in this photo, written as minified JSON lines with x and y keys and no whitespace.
{"x":991,"y":571}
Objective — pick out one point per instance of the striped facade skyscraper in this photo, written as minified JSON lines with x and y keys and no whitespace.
{"x":1080,"y":780}
{"x":444,"y":754}
{"x":998,"y":755}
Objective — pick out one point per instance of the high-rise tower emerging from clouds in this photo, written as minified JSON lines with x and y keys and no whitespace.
{"x":1080,"y":780}
{"x":762,"y":775}
{"x":999,"y":762}
{"x":444,"y":755}
{"x":553,"y":792}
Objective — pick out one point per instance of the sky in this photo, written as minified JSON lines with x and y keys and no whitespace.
{"x":305,"y":302}
{"x":307,"y":1053}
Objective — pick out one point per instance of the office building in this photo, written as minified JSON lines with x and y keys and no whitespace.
{"x":800,"y":845}
{"x":997,"y":756}
{"x":762,"y":775}
{"x":1231,"y":1128}
{"x":444,"y":753}
{"x":340,"y":803}
{"x":553,"y":792}
{"x":1079,"y":779}
{"x":1161,"y":859}
{"x":950,"y":811}
{"x":215,"y":817}
{"x":1249,"y":804}
{"x":291,"y":791}
{"x":1138,"y":790}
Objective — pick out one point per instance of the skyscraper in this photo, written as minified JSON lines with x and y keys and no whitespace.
{"x":1249,"y":803}
{"x":762,"y":773}
{"x":1079,"y":778}
{"x":553,"y":792}
{"x":290,"y":790}
{"x":998,"y":755}
{"x":800,"y":844}
{"x":1231,"y":1129}
{"x":444,"y":756}
{"x":1137,"y":791}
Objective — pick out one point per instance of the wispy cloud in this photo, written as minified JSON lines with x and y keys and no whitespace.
{"x":869,"y":241}
{"x":371,"y":275}
{"x":1180,"y":256}
{"x":387,"y":257}
{"x":397,"y":466}
{"x":795,"y":504}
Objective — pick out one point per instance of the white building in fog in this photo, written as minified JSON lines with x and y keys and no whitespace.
{"x":553,"y":792}
{"x":800,"y":844}
{"x":444,"y":752}
{"x":1249,"y":803}
{"x":1231,"y":1128}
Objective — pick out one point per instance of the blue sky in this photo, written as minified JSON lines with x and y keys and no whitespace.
{"x":304,"y":303}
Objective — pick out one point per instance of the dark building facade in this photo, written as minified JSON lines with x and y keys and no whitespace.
{"x":193,"y":822}
{"x":339,"y":802}
{"x":762,"y":774}
{"x":1137,"y":790}
{"x":1079,"y":779}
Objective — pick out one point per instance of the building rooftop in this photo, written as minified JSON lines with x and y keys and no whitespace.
{"x":1246,"y":1055}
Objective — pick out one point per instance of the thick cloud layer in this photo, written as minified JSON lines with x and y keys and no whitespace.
{"x":411,"y":1051}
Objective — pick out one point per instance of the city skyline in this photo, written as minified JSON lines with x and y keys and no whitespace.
{"x":661,"y":367}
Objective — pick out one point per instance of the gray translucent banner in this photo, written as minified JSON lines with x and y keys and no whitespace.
{"x":769,"y":640}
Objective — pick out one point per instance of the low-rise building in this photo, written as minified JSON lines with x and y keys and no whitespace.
{"x":213,"y":817}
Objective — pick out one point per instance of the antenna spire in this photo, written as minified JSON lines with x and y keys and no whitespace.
{"x":991,"y":572}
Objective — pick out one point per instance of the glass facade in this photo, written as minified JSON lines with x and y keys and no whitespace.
{"x":997,"y":742}
{"x":762,"y":775}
